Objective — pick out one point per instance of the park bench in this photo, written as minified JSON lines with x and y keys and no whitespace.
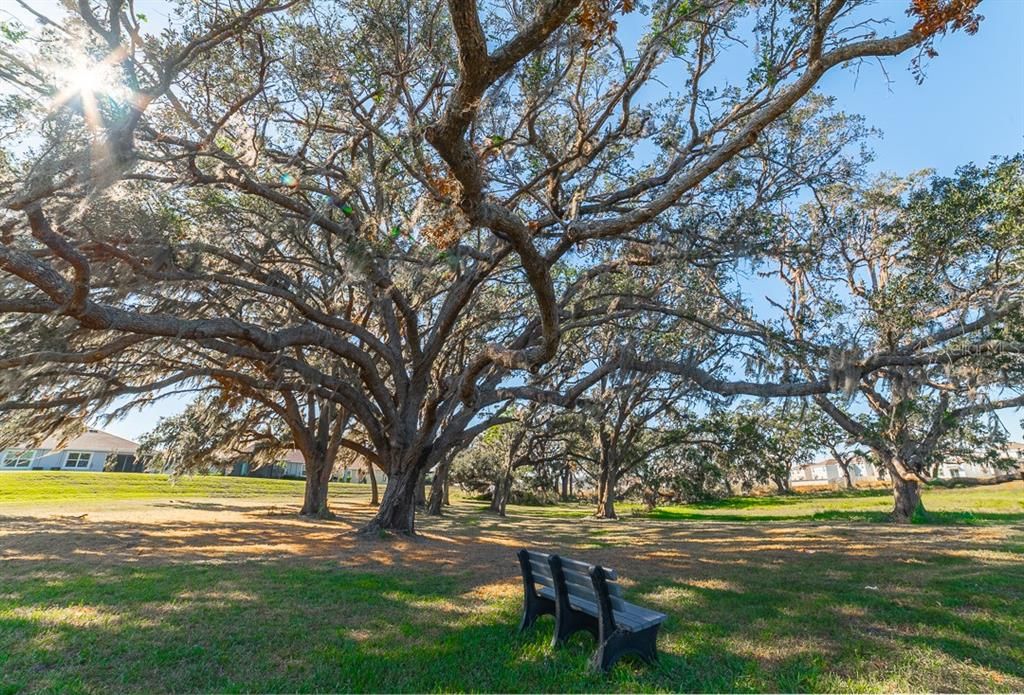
{"x":587,"y":597}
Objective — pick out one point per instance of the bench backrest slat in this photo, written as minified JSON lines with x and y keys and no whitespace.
{"x":574,"y":579}
{"x":569,"y":563}
{"x":584,"y":568}
{"x":540,"y":569}
{"x":587,"y":594}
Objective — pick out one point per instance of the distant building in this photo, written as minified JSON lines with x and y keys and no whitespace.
{"x":293,"y":465}
{"x":963,"y":467}
{"x":93,"y":450}
{"x":828,"y":472}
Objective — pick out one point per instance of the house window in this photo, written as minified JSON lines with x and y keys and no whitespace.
{"x":14,"y":458}
{"x":125,"y":463}
{"x":78,"y":459}
{"x":954,"y":472}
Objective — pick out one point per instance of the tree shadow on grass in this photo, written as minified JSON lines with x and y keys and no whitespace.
{"x":275,"y":626}
{"x":240,"y":603}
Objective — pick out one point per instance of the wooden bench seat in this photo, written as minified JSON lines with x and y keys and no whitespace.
{"x":634,"y":619}
{"x":587,"y":597}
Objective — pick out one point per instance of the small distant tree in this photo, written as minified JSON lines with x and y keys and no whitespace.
{"x":219,"y":429}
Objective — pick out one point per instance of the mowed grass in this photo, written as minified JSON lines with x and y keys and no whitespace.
{"x":753,"y":606}
{"x":35,"y":486}
{"x":262,"y":627}
{"x":943,"y":505}
{"x":968,"y":505}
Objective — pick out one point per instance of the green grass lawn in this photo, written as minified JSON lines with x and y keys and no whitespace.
{"x":1000,"y":503}
{"x":32,"y":486}
{"x":943,"y":505}
{"x":811,"y":605}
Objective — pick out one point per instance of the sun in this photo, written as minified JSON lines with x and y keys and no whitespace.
{"x":89,"y":78}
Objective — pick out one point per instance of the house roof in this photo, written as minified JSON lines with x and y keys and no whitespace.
{"x":290,"y":456}
{"x":91,"y":440}
{"x":293,"y":456}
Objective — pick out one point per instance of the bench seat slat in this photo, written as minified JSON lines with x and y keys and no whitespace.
{"x":634,"y":618}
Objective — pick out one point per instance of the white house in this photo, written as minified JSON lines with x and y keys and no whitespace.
{"x":828,"y":472}
{"x":961,"y":467}
{"x":90,"y":451}
{"x":293,"y":465}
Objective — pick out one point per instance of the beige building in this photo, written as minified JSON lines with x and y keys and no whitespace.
{"x":827,"y":472}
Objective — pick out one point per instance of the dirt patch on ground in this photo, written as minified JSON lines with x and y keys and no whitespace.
{"x":467,"y":541}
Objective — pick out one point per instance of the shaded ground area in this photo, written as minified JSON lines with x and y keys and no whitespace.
{"x":239,"y":594}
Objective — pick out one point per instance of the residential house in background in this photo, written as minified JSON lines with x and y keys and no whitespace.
{"x":293,"y":465}
{"x":93,"y":450}
{"x":965,"y":467}
{"x":827,"y":472}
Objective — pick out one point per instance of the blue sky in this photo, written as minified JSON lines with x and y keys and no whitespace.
{"x":969,"y":108}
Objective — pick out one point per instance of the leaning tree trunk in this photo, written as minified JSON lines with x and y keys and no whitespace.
{"x":318,"y":478}
{"x":437,"y":490}
{"x":906,"y":499}
{"x":782,"y":484}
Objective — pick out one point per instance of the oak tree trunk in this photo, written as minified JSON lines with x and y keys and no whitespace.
{"x":318,"y":478}
{"x":504,"y":492}
{"x":906,"y":499}
{"x":421,"y":489}
{"x":846,"y":475}
{"x":606,"y":501}
{"x":437,"y":490}
{"x":782,"y":484}
{"x":397,"y":511}
{"x":374,"y":494}
{"x":495,"y":504}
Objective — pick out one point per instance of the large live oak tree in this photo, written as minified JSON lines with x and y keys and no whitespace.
{"x":902,"y":313}
{"x":447,"y":172}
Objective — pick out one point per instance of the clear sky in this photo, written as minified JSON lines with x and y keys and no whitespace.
{"x":969,"y":108}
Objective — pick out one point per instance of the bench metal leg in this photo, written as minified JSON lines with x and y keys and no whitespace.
{"x":535,"y":606}
{"x":568,"y":622}
{"x":643,"y":644}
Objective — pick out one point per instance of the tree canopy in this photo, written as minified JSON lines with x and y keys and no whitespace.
{"x":413,"y":215}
